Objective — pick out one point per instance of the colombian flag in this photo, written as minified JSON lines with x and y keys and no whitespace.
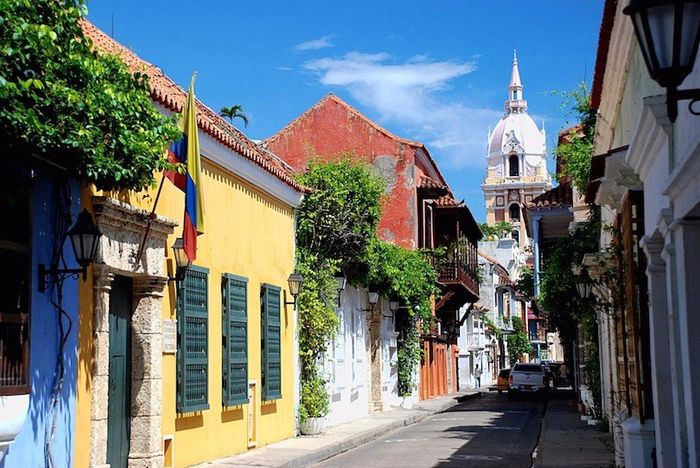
{"x":186,"y":151}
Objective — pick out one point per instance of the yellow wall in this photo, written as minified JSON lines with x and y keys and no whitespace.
{"x":247,"y":233}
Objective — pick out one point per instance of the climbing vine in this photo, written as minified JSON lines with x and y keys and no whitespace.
{"x":406,"y":275}
{"x":336,"y":231}
{"x":575,"y":151}
{"x":63,"y":101}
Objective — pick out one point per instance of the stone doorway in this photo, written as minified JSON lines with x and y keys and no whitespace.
{"x":123,"y":227}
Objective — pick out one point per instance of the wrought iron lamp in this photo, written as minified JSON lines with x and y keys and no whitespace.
{"x":393,"y":307}
{"x":584,"y":284}
{"x":340,"y":281}
{"x":372,"y":298}
{"x":85,"y":239}
{"x":294,"y":282}
{"x":668,"y":33}
{"x":182,"y":262}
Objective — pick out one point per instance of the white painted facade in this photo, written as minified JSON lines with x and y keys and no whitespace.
{"x":347,"y":363}
{"x":663,"y":160}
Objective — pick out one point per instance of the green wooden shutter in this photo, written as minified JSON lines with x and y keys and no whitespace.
{"x":235,"y":340}
{"x":271,"y":351}
{"x":193,"y":332}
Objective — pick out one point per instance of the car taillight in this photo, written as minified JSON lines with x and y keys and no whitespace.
{"x":510,"y":379}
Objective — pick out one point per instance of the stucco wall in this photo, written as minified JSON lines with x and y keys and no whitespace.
{"x":248,"y":233}
{"x":28,"y":449}
{"x":331,"y":128}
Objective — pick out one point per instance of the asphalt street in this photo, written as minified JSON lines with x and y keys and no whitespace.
{"x":487,"y":431}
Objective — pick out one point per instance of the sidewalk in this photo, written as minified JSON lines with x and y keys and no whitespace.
{"x":565,"y":440}
{"x":306,"y":450}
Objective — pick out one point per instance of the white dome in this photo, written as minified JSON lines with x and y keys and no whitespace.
{"x":517,"y":132}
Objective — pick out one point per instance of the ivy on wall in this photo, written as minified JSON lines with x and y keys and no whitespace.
{"x":336,"y":231}
{"x":575,"y":151}
{"x":65,"y":102}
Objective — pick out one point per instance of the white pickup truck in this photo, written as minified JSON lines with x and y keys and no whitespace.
{"x":527,"y":378}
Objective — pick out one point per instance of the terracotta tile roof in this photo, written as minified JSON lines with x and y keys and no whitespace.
{"x":166,"y":92}
{"x":428,"y":183}
{"x":601,"y":59}
{"x":448,"y":201}
{"x":367,"y":120}
{"x":558,"y":197}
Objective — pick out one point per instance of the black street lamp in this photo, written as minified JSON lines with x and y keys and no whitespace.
{"x":294,"y":282}
{"x":340,"y":285}
{"x":584,"y":284}
{"x":182,"y":262}
{"x":668,"y":32}
{"x":372,"y":298}
{"x":85,"y":239}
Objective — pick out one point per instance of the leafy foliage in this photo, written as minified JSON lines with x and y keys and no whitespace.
{"x":526,"y":283}
{"x":498,"y":230}
{"x":558,"y":295}
{"x":575,"y":152}
{"x":318,"y":324}
{"x":518,"y":342}
{"x":64,"y":101}
{"x":338,"y":219}
{"x":336,"y":230}
{"x":405,"y":274}
{"x":234,"y":112}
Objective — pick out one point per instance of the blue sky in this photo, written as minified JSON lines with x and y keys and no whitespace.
{"x":432,"y":70}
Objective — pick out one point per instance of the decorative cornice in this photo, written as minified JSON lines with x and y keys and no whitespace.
{"x":111,"y":212}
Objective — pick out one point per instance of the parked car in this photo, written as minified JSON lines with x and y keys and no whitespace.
{"x":502,"y":381}
{"x":528,"y":378}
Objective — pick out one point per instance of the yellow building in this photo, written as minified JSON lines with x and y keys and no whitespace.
{"x":174,"y":376}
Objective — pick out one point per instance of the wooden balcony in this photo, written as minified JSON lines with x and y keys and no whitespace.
{"x":457,"y":272}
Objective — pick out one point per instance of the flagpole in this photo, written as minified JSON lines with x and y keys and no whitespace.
{"x":151,"y":217}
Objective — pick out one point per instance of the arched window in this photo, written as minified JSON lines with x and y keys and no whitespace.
{"x":516,"y":235}
{"x":514,"y":212}
{"x":514,"y":165}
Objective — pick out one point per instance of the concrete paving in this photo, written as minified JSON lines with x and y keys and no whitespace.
{"x":307,"y":450}
{"x":488,"y":431}
{"x":567,"y":441}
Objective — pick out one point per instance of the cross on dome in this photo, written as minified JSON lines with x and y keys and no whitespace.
{"x":515,"y":103}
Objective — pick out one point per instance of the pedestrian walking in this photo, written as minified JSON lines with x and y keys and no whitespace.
{"x":564,"y":373}
{"x":477,"y":376}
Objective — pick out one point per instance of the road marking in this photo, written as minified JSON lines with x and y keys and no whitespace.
{"x":404,"y":440}
{"x":476,"y":457}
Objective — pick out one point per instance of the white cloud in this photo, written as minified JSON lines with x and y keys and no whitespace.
{"x":283,"y":68}
{"x":411,"y":95}
{"x":315,"y":44}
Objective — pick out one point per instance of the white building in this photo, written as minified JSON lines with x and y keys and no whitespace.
{"x":648,"y":171}
{"x":516,"y":162}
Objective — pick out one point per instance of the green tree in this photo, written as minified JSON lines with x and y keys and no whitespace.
{"x":575,"y":152}
{"x":234,"y":112}
{"x":526,"y":283}
{"x":518,"y":342}
{"x":500,"y":229}
{"x":82,"y":110}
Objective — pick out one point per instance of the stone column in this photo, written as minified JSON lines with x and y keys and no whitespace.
{"x":674,"y":364}
{"x":660,"y":352}
{"x":687,"y":241}
{"x":375,"y":350}
{"x":102,"y":285}
{"x":146,"y":445}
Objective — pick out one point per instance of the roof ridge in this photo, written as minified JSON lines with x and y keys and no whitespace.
{"x":167,"y":92}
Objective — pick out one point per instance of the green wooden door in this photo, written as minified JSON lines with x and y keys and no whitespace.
{"x":119,"y":404}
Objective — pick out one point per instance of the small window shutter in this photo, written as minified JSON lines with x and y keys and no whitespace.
{"x":192,"y":352}
{"x":271,"y":342}
{"x":235,"y":340}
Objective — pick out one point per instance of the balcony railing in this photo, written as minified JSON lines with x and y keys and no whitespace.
{"x":540,"y":335}
{"x":476,"y":340}
{"x":504,"y":323}
{"x":458,"y":266}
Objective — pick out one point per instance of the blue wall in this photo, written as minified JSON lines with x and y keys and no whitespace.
{"x":28,"y":451}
